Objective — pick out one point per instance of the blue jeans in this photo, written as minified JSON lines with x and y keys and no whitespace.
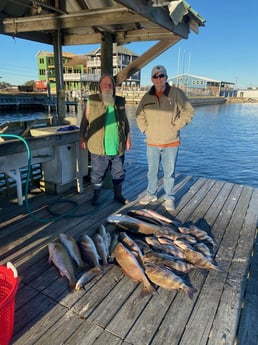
{"x":100,"y":164}
{"x":167,"y":156}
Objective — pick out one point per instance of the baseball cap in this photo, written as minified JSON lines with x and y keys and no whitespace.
{"x":158,"y":68}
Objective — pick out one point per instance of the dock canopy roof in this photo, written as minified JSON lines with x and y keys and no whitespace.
{"x":85,"y":21}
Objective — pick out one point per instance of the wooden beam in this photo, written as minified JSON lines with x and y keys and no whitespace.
{"x":154,"y":34}
{"x":120,"y":37}
{"x":103,"y":17}
{"x":157,"y":15}
{"x":145,"y":58}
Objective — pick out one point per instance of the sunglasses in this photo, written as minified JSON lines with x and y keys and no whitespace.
{"x":159,"y":76}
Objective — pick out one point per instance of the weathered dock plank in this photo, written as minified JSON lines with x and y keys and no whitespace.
{"x":109,"y":309}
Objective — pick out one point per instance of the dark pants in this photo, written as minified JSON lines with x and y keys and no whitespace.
{"x":100,"y":165}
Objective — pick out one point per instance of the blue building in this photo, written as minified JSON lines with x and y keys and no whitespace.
{"x":195,"y":85}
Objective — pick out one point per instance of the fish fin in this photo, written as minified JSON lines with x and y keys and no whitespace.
{"x":148,"y":290}
{"x":72,"y":286}
{"x":190,"y":291}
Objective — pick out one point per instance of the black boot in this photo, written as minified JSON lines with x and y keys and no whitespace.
{"x":118,"y":194}
{"x":96,"y":195}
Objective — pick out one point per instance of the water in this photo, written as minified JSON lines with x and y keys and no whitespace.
{"x":220,"y":143}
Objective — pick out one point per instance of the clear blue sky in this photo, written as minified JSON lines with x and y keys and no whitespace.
{"x":225,"y":48}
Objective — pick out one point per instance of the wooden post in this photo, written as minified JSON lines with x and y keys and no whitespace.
{"x":60,"y":92}
{"x":107,"y":67}
{"x":107,"y":53}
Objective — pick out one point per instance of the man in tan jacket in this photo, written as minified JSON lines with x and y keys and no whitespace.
{"x":163,"y":111}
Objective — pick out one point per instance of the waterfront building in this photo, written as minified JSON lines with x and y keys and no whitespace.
{"x":250,"y":93}
{"x":81,"y":73}
{"x":195,"y":85}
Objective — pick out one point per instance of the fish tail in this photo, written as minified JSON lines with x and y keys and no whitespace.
{"x":148,"y":290}
{"x":217,"y":268}
{"x":72,"y":285}
{"x":190,"y":291}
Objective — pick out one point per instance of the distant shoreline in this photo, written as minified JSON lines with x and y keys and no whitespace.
{"x":241,"y":100}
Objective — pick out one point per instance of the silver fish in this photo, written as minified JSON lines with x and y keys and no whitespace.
{"x":132,"y":224}
{"x":72,"y":248}
{"x":89,"y":250}
{"x":59,"y":256}
{"x":114,"y":241}
{"x":101,"y":248}
{"x":167,"y":279}
{"x":106,"y":236}
{"x":87,"y":276}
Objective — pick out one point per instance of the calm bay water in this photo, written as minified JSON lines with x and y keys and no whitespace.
{"x":220,"y":143}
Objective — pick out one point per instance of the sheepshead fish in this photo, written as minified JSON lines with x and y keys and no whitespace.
{"x":87,"y":277}
{"x":165,"y":278}
{"x":198,"y":233}
{"x":174,"y":235}
{"x":199,"y":260}
{"x":202,"y":248}
{"x":59,"y":256}
{"x":72,"y":248}
{"x":132,"y":224}
{"x":89,"y":250}
{"x":170,"y":249}
{"x":133,"y":269}
{"x":101,"y":248}
{"x":132,"y":246}
{"x":168,"y":261}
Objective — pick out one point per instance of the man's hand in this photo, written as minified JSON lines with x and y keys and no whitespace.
{"x":83,"y":144}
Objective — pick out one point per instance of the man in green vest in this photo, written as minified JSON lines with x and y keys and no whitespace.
{"x":105,"y":131}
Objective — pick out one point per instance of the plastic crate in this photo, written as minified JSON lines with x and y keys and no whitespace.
{"x":9,"y":282}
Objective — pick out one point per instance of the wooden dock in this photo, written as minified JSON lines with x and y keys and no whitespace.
{"x":109,"y":311}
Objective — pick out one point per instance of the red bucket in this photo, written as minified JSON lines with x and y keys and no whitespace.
{"x":8,"y":286}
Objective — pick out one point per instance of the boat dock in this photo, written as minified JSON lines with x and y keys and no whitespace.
{"x":224,"y":310}
{"x":32,"y":100}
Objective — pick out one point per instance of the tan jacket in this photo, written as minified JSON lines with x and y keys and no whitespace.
{"x":161,"y":119}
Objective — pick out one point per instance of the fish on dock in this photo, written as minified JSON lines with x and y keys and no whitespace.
{"x":72,"y":248}
{"x":151,"y":216}
{"x":132,"y":246}
{"x":87,"y":276}
{"x":89,"y":251}
{"x":106,"y":236}
{"x":168,"y":260}
{"x":201,"y":235}
{"x":131,"y":224}
{"x":165,"y":278}
{"x":60,"y":257}
{"x":101,"y":247}
{"x":199,"y":260}
{"x":133,"y":269}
